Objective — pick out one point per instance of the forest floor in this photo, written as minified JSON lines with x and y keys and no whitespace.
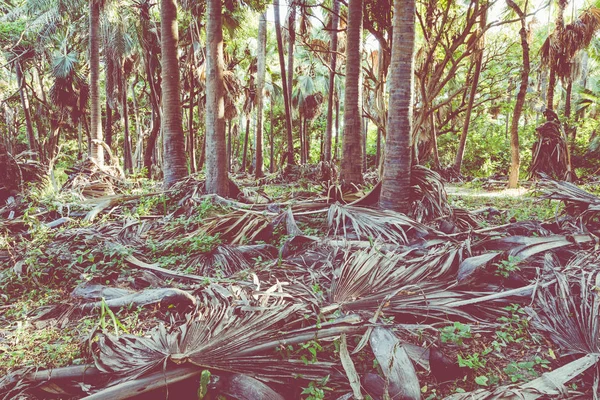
{"x":82,"y":281}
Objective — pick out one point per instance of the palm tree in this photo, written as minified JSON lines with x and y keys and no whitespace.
{"x":216,"y":157}
{"x":352,"y":154}
{"x":284,"y":85}
{"x":395,"y":189}
{"x":260,"y":85}
{"x":333,"y":48}
{"x":173,"y":138}
{"x":561,"y":47}
{"x":97,"y":151}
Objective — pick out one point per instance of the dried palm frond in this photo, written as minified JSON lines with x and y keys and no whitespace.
{"x":569,"y":311}
{"x":369,"y":224}
{"x":219,"y":336}
{"x":550,"y":152}
{"x":370,"y":271}
{"x":228,"y":259}
{"x":239,"y":226}
{"x":577,"y":201}
{"x":429,"y":198}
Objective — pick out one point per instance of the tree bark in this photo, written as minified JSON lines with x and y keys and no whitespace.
{"x":108,"y":128}
{"x":245,"y":153}
{"x":272,"y":155}
{"x":25,"y":104}
{"x":284,"y":83}
{"x":330,"y":100}
{"x":152,"y":63}
{"x":217,"y":180}
{"x":291,"y":43}
{"x":260,"y":86}
{"x":352,"y":141}
{"x":395,"y":188}
{"x":337,"y":126}
{"x":191,"y":138}
{"x":473,"y":91}
{"x":127,"y":156}
{"x":515,"y":162}
{"x":174,"y":162}
{"x":97,"y":151}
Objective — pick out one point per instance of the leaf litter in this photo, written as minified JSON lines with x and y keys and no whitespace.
{"x":285,"y":297}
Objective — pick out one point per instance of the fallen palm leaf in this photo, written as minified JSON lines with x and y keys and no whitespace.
{"x":370,"y":224}
{"x":401,"y":378}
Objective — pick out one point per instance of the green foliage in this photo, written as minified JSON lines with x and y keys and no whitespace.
{"x":455,"y":333}
{"x":316,"y":390}
{"x":505,"y":267}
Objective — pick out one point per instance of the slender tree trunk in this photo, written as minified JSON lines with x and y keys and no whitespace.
{"x":365,"y":144}
{"x":25,"y":104}
{"x":260,"y":86}
{"x":301,"y":135}
{"x":330,"y":100}
{"x":203,"y":139}
{"x":151,"y":62}
{"x":378,"y":154}
{"x":139,"y":146}
{"x":473,"y":91}
{"x":306,"y":133}
{"x":245,"y":155}
{"x":337,"y":126}
{"x":515,"y":162}
{"x":97,"y":151}
{"x":174,"y":162}
{"x":272,"y":155}
{"x":395,"y":188}
{"x":79,"y":140}
{"x":434,"y":143}
{"x":291,"y":44}
{"x":568,"y":97}
{"x":128,"y":159}
{"x":284,"y":83}
{"x":229,"y":145}
{"x":217,"y":180}
{"x":352,"y":155}
{"x":108,"y":128}
{"x":191,"y":138}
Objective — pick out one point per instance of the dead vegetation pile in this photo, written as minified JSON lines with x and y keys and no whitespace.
{"x":314,"y":298}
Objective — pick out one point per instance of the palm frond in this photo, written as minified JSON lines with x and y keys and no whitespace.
{"x":369,"y":224}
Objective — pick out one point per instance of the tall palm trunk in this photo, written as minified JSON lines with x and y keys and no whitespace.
{"x":127,"y":156}
{"x":330,"y":100}
{"x":25,"y":104}
{"x":337,"y":127}
{"x":108,"y":134}
{"x":260,"y":86}
{"x":291,"y":43}
{"x":284,"y":84}
{"x":515,"y":161}
{"x":473,"y":91}
{"x":191,"y":136}
{"x":97,"y":151}
{"x":216,"y":157}
{"x":395,"y":189}
{"x":352,"y":154}
{"x":272,"y":155}
{"x":245,"y":151}
{"x":174,"y":163}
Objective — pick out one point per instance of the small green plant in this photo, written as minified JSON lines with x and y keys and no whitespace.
{"x":316,"y":390}
{"x":473,"y":361}
{"x":525,"y":370}
{"x":505,"y":267}
{"x":455,"y":333}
